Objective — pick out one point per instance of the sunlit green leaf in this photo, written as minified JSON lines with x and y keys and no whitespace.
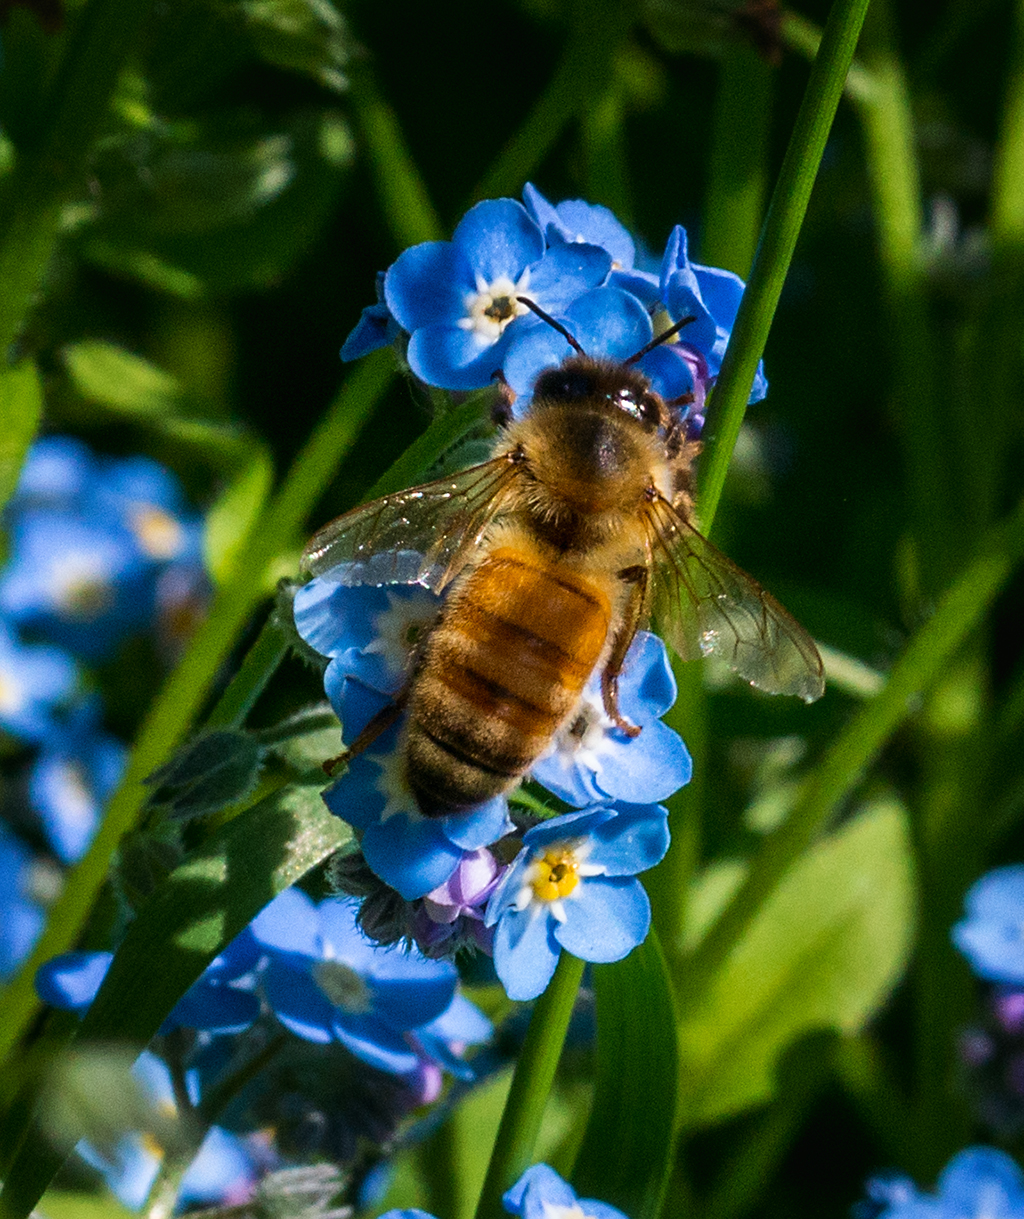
{"x":231,"y":518}
{"x":627,"y":1152}
{"x":21,"y":406}
{"x":823,"y":952}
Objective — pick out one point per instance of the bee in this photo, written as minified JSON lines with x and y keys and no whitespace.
{"x":552,"y":554}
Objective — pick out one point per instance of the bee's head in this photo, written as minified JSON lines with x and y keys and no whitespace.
{"x":583,"y":381}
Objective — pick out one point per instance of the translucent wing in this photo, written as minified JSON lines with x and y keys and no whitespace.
{"x":421,"y":535}
{"x":706,"y":605}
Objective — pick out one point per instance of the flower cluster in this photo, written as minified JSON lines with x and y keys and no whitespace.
{"x":978,"y":1183}
{"x":540,"y":1193}
{"x":572,"y":881}
{"x":100,"y":550}
{"x":464,"y":312}
{"x":457,"y":306}
{"x":992,"y":1049}
{"x":374,"y":1032}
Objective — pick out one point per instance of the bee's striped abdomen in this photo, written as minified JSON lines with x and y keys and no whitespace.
{"x":501,"y":672}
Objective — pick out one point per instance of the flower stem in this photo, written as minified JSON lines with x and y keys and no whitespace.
{"x":534,"y":1074}
{"x":775,"y":251}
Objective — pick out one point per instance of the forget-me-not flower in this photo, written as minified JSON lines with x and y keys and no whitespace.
{"x":540,"y":1193}
{"x":573,"y":886}
{"x":990,"y":934}
{"x":978,"y":1183}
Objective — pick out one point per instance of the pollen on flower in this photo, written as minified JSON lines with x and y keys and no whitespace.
{"x":159,"y":535}
{"x":555,"y":874}
{"x":490,"y":309}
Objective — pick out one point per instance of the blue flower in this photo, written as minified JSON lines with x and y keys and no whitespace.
{"x":606,"y":322}
{"x":71,"y":779}
{"x":709,"y":295}
{"x":221,"y":1000}
{"x":540,"y":1193}
{"x":58,"y":472}
{"x":21,"y":916}
{"x":575,"y":220}
{"x":77,"y":581}
{"x":375,"y":328}
{"x":573,"y":886}
{"x":36,"y":681}
{"x":457,"y":299}
{"x":325,"y":981}
{"x":990,"y":935}
{"x":412,"y":853}
{"x":224,"y":1171}
{"x":978,"y":1183}
{"x":451,"y":916}
{"x":593,"y":761}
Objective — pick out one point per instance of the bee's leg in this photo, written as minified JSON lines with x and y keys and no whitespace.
{"x":501,"y":411}
{"x":380,"y":723}
{"x":636,"y":577}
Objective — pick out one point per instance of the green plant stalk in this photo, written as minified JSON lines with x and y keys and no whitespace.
{"x":598,"y":27}
{"x":47,"y":173}
{"x":257,"y":668}
{"x":775,"y":251}
{"x":187,"y":687}
{"x":893,"y":173}
{"x":957,"y":614}
{"x":403,"y":195}
{"x":531,"y":1084}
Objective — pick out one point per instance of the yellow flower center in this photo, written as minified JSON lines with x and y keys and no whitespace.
{"x":555,"y":874}
{"x":157,"y":532}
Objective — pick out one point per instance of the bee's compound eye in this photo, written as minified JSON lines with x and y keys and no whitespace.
{"x":564,"y":385}
{"x":651,"y":410}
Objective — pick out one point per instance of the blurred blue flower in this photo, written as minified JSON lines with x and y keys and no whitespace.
{"x":991,"y":936}
{"x":90,"y":538}
{"x":457,"y":299}
{"x":592,"y":760}
{"x":21,"y":916}
{"x":573,"y":886}
{"x":36,"y":681}
{"x":224,"y":1171}
{"x":325,"y":981}
{"x":221,"y":1000}
{"x":76,"y":580}
{"x":978,"y":1183}
{"x":540,"y":1193}
{"x":71,"y":779}
{"x":412,"y":853}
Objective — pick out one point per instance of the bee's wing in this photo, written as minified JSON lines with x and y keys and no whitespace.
{"x":706,"y":605}
{"x":422,"y":535}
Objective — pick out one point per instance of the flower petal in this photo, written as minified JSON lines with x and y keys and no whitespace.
{"x":605,"y":919}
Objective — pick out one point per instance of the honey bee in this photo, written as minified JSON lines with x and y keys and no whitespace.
{"x":552,"y":554}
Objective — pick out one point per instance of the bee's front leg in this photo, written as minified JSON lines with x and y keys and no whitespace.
{"x":636,"y":577}
{"x":380,"y":723}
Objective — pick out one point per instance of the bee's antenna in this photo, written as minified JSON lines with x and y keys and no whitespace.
{"x":546,"y":317}
{"x":656,"y":342}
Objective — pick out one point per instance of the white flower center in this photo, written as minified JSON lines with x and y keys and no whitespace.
{"x":584,"y":740}
{"x":553,"y":1211}
{"x":12,"y":695}
{"x":392,"y":785}
{"x":399,"y":628}
{"x":81,"y":591}
{"x":343,"y":987}
{"x":77,"y":804}
{"x":490,"y":309}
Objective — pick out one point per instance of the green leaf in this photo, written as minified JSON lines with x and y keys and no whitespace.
{"x":229,"y":521}
{"x":224,"y":214}
{"x":21,"y":406}
{"x":201,"y":907}
{"x":306,"y":36}
{"x":823,"y":952}
{"x":627,"y":1151}
{"x":214,"y":770}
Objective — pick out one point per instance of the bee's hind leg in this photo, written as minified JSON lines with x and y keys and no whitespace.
{"x":380,"y":723}
{"x":636,"y":577}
